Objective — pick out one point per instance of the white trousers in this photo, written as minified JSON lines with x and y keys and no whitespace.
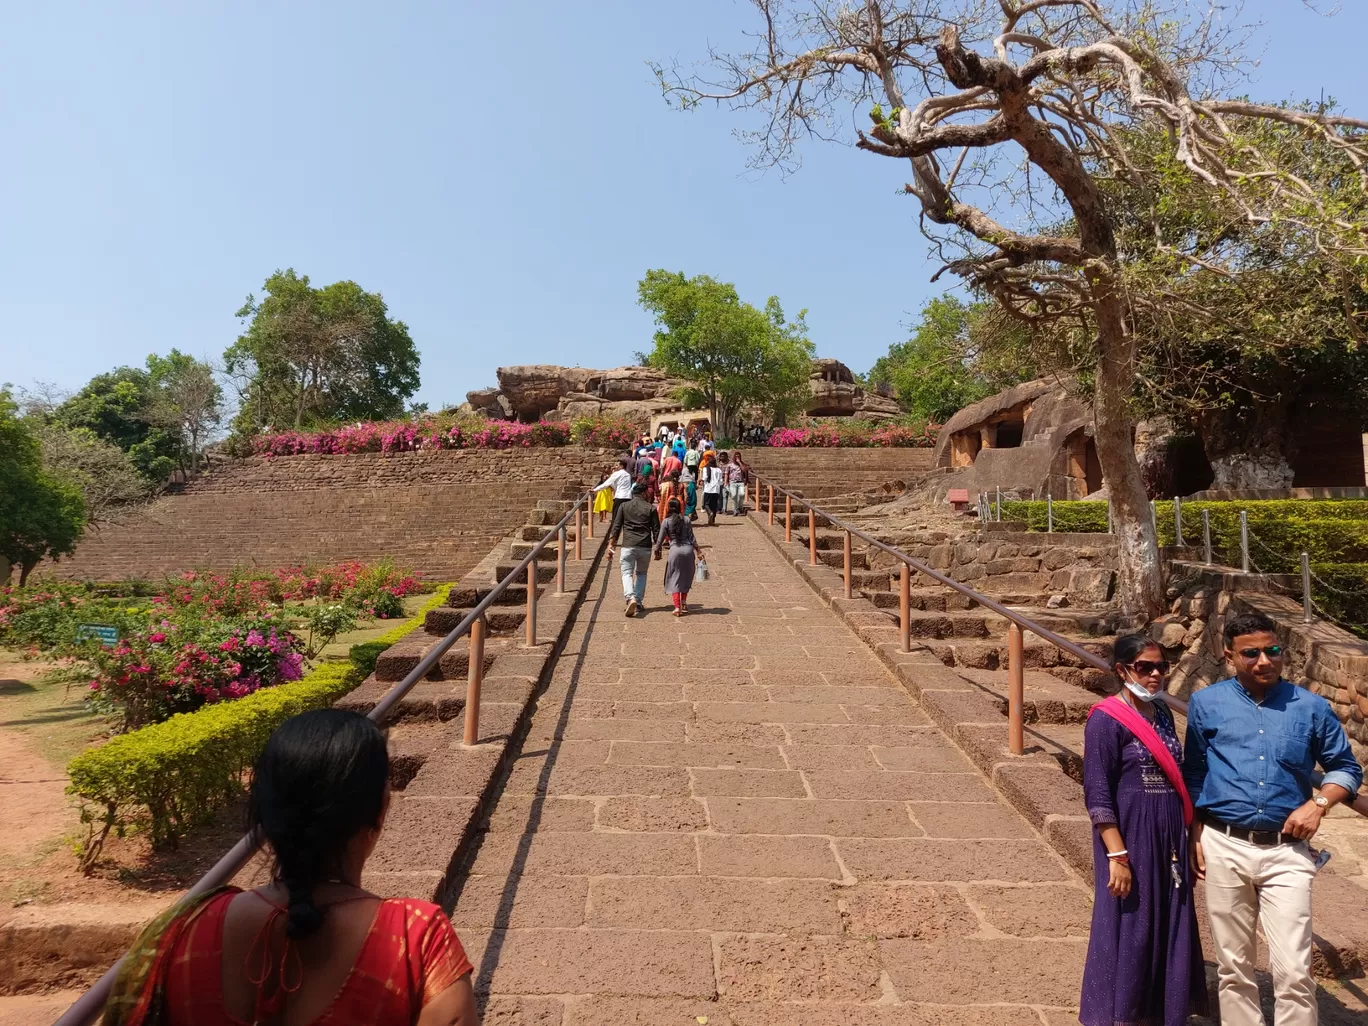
{"x":1246,"y":884}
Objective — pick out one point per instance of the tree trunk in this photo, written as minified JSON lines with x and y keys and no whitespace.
{"x":26,"y":568}
{"x":1140,"y":584}
{"x":6,"y":568}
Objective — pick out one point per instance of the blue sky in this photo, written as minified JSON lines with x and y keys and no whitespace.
{"x":502,"y":173}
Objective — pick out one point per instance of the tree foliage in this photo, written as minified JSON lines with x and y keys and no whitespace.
{"x":735,"y":355}
{"x":41,"y":516}
{"x":117,"y":406}
{"x":958,"y":354}
{"x":186,"y":402}
{"x":311,"y":356}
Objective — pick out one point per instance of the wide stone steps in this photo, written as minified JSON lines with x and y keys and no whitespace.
{"x":536,"y":532}
{"x":546,"y":570}
{"x":397,"y":661}
{"x":501,"y":620}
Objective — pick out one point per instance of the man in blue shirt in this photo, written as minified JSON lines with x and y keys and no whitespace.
{"x":1253,"y":742}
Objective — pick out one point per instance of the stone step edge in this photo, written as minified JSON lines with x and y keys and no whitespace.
{"x":1037,"y":784}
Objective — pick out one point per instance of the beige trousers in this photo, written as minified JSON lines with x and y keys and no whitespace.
{"x":1246,"y":884}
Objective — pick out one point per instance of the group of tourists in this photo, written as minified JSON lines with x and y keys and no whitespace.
{"x":654,"y":499}
{"x":1234,"y":807}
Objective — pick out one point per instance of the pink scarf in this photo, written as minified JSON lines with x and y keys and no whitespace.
{"x":1121,"y":711}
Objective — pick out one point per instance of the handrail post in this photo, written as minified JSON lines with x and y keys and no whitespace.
{"x":589,"y":519}
{"x":1244,"y":541}
{"x":771,"y":505}
{"x":1049,"y":513}
{"x":1206,"y":534}
{"x":1306,"y":588}
{"x":580,"y":516}
{"x":560,"y":561}
{"x":999,"y":504}
{"x":788,"y":518}
{"x":905,"y":606}
{"x":1016,"y":690}
{"x":849,"y":592}
{"x":812,"y":536}
{"x":531,"y":634}
{"x":1178,"y":519}
{"x":474,"y":678}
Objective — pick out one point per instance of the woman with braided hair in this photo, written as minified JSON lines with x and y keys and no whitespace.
{"x":312,"y":946}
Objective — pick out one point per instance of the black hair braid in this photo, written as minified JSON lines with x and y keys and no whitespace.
{"x":319,"y":782}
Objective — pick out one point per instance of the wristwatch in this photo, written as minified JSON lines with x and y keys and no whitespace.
{"x":1322,"y":802}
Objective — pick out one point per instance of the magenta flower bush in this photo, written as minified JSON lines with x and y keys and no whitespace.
{"x":412,"y":436}
{"x":854,"y":434}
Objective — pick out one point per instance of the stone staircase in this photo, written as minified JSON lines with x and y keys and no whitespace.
{"x":962,"y":634}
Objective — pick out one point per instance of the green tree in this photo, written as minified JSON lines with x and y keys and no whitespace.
{"x":734,"y":354}
{"x":41,"y":516}
{"x":116,"y":406}
{"x":312,"y":355}
{"x":186,"y":402}
{"x":945,"y":366}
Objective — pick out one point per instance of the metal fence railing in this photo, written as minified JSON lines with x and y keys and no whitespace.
{"x":87,"y":1008}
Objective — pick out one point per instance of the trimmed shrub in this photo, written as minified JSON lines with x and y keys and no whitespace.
{"x":172,"y":775}
{"x":856,"y":434}
{"x":1081,"y":517}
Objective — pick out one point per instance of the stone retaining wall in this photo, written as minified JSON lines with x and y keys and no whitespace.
{"x":437,"y":512}
{"x":820,"y":473}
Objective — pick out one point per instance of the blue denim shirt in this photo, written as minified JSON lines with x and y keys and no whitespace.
{"x":1250,"y":764}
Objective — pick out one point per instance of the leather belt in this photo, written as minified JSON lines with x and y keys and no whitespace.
{"x":1261,"y":838}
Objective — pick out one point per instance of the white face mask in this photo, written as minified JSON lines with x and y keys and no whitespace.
{"x":1138,"y":690}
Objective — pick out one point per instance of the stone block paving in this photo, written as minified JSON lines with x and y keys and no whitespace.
{"x":740,"y":818}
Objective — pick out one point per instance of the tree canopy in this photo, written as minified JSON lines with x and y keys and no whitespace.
{"x":952,"y":359}
{"x":736,"y":355}
{"x":317,"y":355}
{"x":1010,"y":117}
{"x":116,"y":406}
{"x":41,"y":516}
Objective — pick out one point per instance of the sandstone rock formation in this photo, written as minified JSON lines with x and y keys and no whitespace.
{"x":835,"y":394}
{"x":534,"y":391}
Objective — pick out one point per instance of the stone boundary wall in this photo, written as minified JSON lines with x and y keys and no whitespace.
{"x":436,"y":512}
{"x":821,"y":473}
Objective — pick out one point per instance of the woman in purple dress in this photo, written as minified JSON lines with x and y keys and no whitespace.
{"x":1144,"y":963}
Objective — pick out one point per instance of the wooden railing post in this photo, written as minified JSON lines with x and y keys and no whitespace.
{"x":1016,"y":690}
{"x":474,"y":678}
{"x":905,"y":607}
{"x":580,"y":516}
{"x":560,"y":561}
{"x":812,"y":536}
{"x":849,"y":591}
{"x":771,"y":505}
{"x":788,"y":518}
{"x":589,"y":519}
{"x":531,"y":625}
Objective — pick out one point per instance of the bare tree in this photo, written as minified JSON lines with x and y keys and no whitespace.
{"x":1059,"y":80}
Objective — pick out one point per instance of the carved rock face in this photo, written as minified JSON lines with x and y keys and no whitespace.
{"x":626,"y":384}
{"x":535,"y":389}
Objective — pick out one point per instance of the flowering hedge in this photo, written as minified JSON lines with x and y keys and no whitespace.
{"x":413,"y":436}
{"x":855,"y":434}
{"x":206,"y":638}
{"x":605,"y":432}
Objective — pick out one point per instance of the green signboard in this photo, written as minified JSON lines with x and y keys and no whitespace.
{"x":105,"y":635}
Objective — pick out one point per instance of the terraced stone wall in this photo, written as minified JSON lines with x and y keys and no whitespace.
{"x":817,"y":473}
{"x":436,"y":512}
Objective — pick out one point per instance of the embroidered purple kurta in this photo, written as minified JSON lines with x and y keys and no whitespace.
{"x":1144,"y":963}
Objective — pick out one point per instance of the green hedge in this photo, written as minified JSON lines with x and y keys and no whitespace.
{"x":172,"y":775}
{"x":167,"y":777}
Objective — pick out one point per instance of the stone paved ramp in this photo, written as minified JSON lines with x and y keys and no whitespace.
{"x":739,"y":817}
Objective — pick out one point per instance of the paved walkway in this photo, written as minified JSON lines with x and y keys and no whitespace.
{"x":739,"y":818}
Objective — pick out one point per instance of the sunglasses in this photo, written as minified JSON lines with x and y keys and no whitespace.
{"x":1145,"y":667}
{"x":1272,"y":651}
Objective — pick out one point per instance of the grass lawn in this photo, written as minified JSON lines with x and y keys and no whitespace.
{"x":52,"y":717}
{"x":372,"y":630}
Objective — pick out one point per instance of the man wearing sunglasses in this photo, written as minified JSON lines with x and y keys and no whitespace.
{"x":1253,"y":742}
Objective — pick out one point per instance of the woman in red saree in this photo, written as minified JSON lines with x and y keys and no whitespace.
{"x":313,"y":948}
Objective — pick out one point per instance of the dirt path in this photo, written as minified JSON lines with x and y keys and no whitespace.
{"x":32,"y":793}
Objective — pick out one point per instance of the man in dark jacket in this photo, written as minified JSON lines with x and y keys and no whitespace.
{"x":637,"y":524}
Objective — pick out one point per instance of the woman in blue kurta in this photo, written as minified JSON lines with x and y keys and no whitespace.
{"x":1144,"y":963}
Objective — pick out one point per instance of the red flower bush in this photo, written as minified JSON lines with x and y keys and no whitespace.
{"x":855,"y":434}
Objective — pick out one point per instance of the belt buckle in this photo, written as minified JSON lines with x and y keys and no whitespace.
{"x":1265,"y":838}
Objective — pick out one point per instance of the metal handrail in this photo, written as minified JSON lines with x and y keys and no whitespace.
{"x":1358,"y":803}
{"x":1020,"y":623}
{"x":88,"y":1006}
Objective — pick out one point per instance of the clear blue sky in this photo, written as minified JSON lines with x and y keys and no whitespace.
{"x":502,"y":173}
